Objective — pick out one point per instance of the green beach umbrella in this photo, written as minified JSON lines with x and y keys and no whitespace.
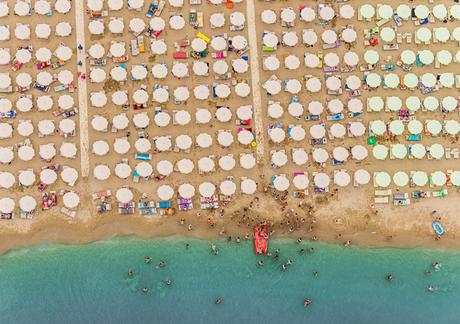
{"x":382,"y":179}
{"x":420,"y":178}
{"x":434,"y":127}
{"x":396,"y":127}
{"x":399,"y":151}
{"x":429,"y":80}
{"x":371,"y":140}
{"x":415,"y":127}
{"x":418,"y":151}
{"x":426,"y":57}
{"x":367,"y":11}
{"x":447,"y":80}
{"x":438,"y":178}
{"x":378,"y":127}
{"x":380,"y":152}
{"x":394,"y":103}
{"x":437,"y":151}
{"x":375,"y":103}
{"x":452,"y":127}
{"x":401,"y":179}
{"x":455,"y":178}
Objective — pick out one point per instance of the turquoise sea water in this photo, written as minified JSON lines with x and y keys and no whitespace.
{"x":52,"y":283}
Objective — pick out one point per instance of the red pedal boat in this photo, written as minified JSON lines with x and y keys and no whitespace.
{"x":260,"y":240}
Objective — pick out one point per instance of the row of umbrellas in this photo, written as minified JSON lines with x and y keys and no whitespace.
{"x":41,"y":7}
{"x":115,"y":5}
{"x":386,"y":11}
{"x":45,"y":127}
{"x":28,"y":203}
{"x":307,"y":14}
{"x":415,"y":127}
{"x":401,"y":151}
{"x":178,"y":70}
{"x":417,"y":178}
{"x":309,"y":37}
{"x":335,"y":106}
{"x":180,"y":93}
{"x":27,"y":178}
{"x":42,"y":54}
{"x":311,"y":60}
{"x":42,"y":31}
{"x":425,"y":56}
{"x":319,"y":155}
{"x":43,"y":103}
{"x":46,"y":152}
{"x":412,"y":103}
{"x":410,"y":80}
{"x":44,"y":78}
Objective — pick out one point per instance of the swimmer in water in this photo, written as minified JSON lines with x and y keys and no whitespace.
{"x":187,"y":246}
{"x":436,"y":265}
{"x":145,"y":290}
{"x":162,"y":264}
{"x":260,"y":263}
{"x":306,"y":302}
{"x":301,"y":251}
{"x":299,"y":240}
{"x":168,"y":282}
{"x":315,"y":273}
{"x":311,"y":250}
{"x":289,"y":262}
{"x":390,"y":277}
{"x":430,"y":288}
{"x":148,"y":259}
{"x":214,"y":249}
{"x":427,"y":273}
{"x":130,"y":273}
{"x":276,"y":257}
{"x":283,"y":267}
{"x":218,"y":301}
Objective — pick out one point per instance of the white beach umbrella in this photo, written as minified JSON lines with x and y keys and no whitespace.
{"x":67,"y":126}
{"x":162,"y":119}
{"x":227,"y":162}
{"x":42,"y":31}
{"x":295,"y":109}
{"x":268,"y":16}
{"x":25,"y":104}
{"x":436,"y":151}
{"x":120,"y":121}
{"x":291,"y":62}
{"x":300,"y":181}
{"x":452,"y":127}
{"x":382,"y":179}
{"x":247,"y":161}
{"x":371,"y":56}
{"x":449,"y":103}
{"x":313,"y":85}
{"x":311,"y":60}
{"x":27,"y":204}
{"x":122,"y":170}
{"x":351,"y":58}
{"x":290,"y":38}
{"x":309,"y":37}
{"x":342,"y":178}
{"x":66,"y":102}
{"x":207,"y":189}
{"x":96,"y":27}
{"x":275,"y":110}
{"x":116,"y":26}
{"x":199,"y":68}
{"x":144,"y":169}
{"x":99,"y":123}
{"x":220,"y":67}
{"x":117,"y":49}
{"x":7,"y":205}
{"x":227,"y":188}
{"x":359,"y":152}
{"x":378,"y":127}
{"x":165,"y":192}
{"x":329,"y":36}
{"x":420,"y":178}
{"x":399,"y":151}
{"x":362,"y":177}
{"x":279,"y":158}
{"x":140,"y":96}
{"x":270,"y":40}
{"x":326,"y":13}
{"x":63,"y":29}
{"x":22,"y":8}
{"x":434,"y":127}
{"x":385,"y":11}
{"x":4,"y":9}
{"x":410,"y":80}
{"x":100,"y":148}
{"x":101,"y":172}
{"x":48,"y":176}
{"x":248,"y":186}
{"x":317,"y":131}
{"x":97,"y":51}
{"x":47,"y":151}
{"x":5,"y":56}
{"x":315,"y":107}
{"x":225,"y":138}
{"x":353,"y":82}
{"x":222,"y":91}
{"x":204,"y":140}
{"x":158,"y":47}
{"x":118,"y":73}
{"x":124,"y":195}
{"x":320,"y":155}
{"x":186,"y":191}
{"x":401,"y":179}
{"x":281,"y":183}
{"x":141,"y":120}
{"x":333,"y":83}
{"x":340,"y":153}
{"x":165,"y":167}
{"x":277,"y":135}
{"x":4,"y":33}
{"x":185,"y":166}
{"x":418,"y":151}
{"x":23,"y":80}
{"x":206,"y":164}
{"x":380,"y":152}
{"x":297,"y":133}
{"x":160,"y":71}
{"x":415,"y":127}
{"x":98,"y":99}
{"x":46,"y":127}
{"x":391,"y":80}
{"x":6,"y":130}
{"x":239,"y":42}
{"x":438,"y":178}
{"x":163,"y":143}
{"x":299,"y":156}
{"x":180,"y":70}
{"x":396,"y":127}
{"x":293,"y":86}
{"x":25,"y":128}
{"x":321,"y":180}
{"x":157,"y":24}
{"x":181,"y":93}
{"x":455,"y":178}
{"x":69,"y":175}
{"x":217,"y":20}
{"x":404,"y":11}
{"x":26,"y":178}
{"x":68,"y":150}
{"x":6,"y":155}
{"x":273,"y":87}
{"x":349,"y":35}
{"x":219,"y":43}
{"x":176,"y":22}
{"x":142,"y":145}
{"x":183,"y":142}
{"x":357,"y":129}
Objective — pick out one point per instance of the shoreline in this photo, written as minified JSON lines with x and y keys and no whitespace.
{"x":81,"y":234}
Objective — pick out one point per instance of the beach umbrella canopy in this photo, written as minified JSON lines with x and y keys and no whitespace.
{"x":165,"y":192}
{"x":309,"y":37}
{"x":71,"y":199}
{"x":404,"y":11}
{"x":429,"y":80}
{"x":277,"y":135}
{"x":353,"y":82}
{"x":442,"y":34}
{"x":449,"y":103}
{"x":293,"y":86}
{"x":48,"y":176}
{"x":351,"y":58}
{"x":244,"y":112}
{"x":320,"y":155}
{"x":225,"y":138}
{"x":199,"y":68}
{"x":6,"y":155}
{"x":380,"y":152}
{"x":431,"y":103}
{"x":291,"y":62}
{"x":279,"y":158}
{"x":223,"y":114}
{"x":227,"y":162}
{"x":47,"y":151}
{"x":452,"y":127}
{"x":307,"y":14}
{"x":444,"y":57}
{"x":421,"y":11}
{"x":455,"y":178}
{"x":26,"y":178}
{"x":270,"y":40}
{"x":67,"y":126}
{"x":124,"y":195}
{"x":373,"y":80}
{"x":227,"y":188}
{"x":27,"y":204}
{"x":248,"y":186}
{"x":100,"y":148}
{"x":401,"y":179}
{"x":25,"y":104}
{"x":415,"y":127}
{"x":355,"y":105}
{"x":268,"y":17}
{"x":413,"y":103}
{"x":281,"y":183}
{"x":317,"y":131}
{"x":426,"y":57}
{"x":436,"y":151}
{"x":247,"y":161}
{"x":204,"y":140}
{"x":378,"y":127}
{"x":186,"y":191}
{"x":391,"y":80}
{"x":295,"y":109}
{"x":273,"y":87}
{"x":399,"y":151}
{"x":387,"y":34}
{"x":68,"y":150}
{"x":239,"y":42}
{"x":142,"y":145}
{"x":183,"y":142}
{"x":7,"y":205}
{"x":447,"y":80}
{"x":207,"y":189}
{"x":315,"y":107}
{"x":101,"y":172}
{"x":420,"y":178}
{"x":408,"y":57}
{"x":42,"y":31}
{"x":271,"y":63}
{"x":300,"y":181}
{"x":335,"y":106}
{"x":313,"y":85}
{"x":290,"y":38}
{"x":382,"y":179}
{"x":371,"y":56}
{"x":176,"y":22}
{"x":217,"y":20}
{"x":434,"y":127}
{"x":163,"y":143}
{"x":321,"y":180}
{"x":342,"y":178}
{"x":338,"y":130}
{"x":346,"y":11}
{"x":362,"y":177}
{"x":25,"y":128}
{"x":7,"y":180}
{"x":158,"y":47}
{"x":182,"y":117}
{"x":410,"y":80}
{"x":164,"y":167}
{"x":243,"y":89}
{"x":185,"y":166}
{"x":206,"y":164}
{"x":396,"y":127}
{"x":359,"y":152}
{"x":98,"y":99}
{"x":438,"y":178}
{"x":116,"y":26}
{"x":122,"y":170}
{"x":333,"y":83}
{"x":115,"y":4}
{"x":160,"y":71}
{"x":418,"y":151}
{"x":237,"y":18}
{"x":349,"y":35}
{"x":340,"y":153}
{"x":394,"y":103}
{"x":242,"y":66}
{"x":385,"y":11}
{"x":6,"y":130}
{"x":299,"y":156}
{"x":423,"y":34}
{"x":329,"y":36}
{"x":144,"y":169}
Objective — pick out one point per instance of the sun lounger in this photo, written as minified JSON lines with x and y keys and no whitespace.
{"x":381,"y":200}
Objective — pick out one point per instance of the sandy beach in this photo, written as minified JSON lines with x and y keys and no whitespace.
{"x":338,"y":215}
